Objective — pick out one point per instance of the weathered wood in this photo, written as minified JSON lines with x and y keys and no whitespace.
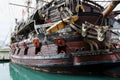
{"x":110,"y":8}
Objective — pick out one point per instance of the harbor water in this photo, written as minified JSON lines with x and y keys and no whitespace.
{"x":3,"y":53}
{"x":10,"y":71}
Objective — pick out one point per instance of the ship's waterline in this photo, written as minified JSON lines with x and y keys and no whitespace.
{"x":10,"y":71}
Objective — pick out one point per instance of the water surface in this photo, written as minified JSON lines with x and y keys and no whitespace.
{"x":3,"y":53}
{"x":4,"y":71}
{"x":10,"y":71}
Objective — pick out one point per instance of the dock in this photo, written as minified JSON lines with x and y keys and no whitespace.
{"x":4,"y":50}
{"x":5,"y":58}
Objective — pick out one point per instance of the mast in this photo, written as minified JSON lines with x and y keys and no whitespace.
{"x":110,"y":8}
{"x":28,"y":7}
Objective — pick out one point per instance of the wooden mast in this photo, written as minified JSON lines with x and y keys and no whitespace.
{"x":110,"y":8}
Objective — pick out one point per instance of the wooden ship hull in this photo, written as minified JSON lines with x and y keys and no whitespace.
{"x":67,"y":39}
{"x":69,"y":64}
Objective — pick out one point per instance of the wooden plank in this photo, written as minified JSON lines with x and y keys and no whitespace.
{"x":60,"y":24}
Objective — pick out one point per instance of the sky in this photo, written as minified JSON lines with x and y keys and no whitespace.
{"x":8,"y":13}
{"x":7,"y":17}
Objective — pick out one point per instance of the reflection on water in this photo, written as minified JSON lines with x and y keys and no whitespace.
{"x":20,"y":73}
{"x":4,"y":71}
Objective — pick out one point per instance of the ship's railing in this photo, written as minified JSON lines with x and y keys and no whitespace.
{"x":42,"y":27}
